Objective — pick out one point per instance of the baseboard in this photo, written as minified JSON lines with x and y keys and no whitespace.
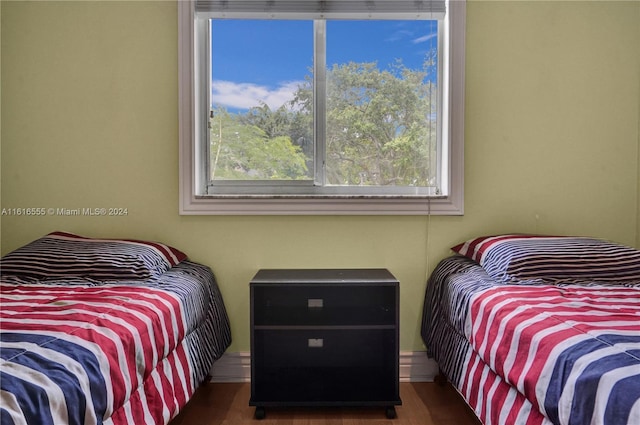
{"x":415,"y":366}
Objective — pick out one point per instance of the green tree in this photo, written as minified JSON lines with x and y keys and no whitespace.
{"x":296,"y":125}
{"x":242,"y":151}
{"x":380,"y":129}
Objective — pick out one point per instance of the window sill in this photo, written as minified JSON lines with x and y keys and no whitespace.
{"x":325,"y":205}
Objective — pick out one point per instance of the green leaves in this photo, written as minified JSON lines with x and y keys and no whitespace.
{"x":242,"y":150}
{"x":379,"y":126}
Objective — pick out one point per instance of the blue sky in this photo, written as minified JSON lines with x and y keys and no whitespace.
{"x":266,"y":60}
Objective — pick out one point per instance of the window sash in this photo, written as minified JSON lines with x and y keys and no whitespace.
{"x":317,"y":186}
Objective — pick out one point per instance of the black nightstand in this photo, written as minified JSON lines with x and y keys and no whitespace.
{"x":324,"y":337}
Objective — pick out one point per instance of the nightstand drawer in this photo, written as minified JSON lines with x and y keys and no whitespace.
{"x":324,"y":347}
{"x":323,"y":304}
{"x":307,"y":365}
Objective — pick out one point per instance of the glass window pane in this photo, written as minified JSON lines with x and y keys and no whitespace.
{"x":381,"y":103}
{"x":261,"y":100}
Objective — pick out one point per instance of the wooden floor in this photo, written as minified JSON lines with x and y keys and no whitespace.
{"x":423,"y":403}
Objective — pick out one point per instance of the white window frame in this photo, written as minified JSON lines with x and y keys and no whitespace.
{"x":192,"y":48}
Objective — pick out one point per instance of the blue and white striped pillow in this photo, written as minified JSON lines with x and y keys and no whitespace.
{"x":65,"y":255}
{"x":553,"y":259}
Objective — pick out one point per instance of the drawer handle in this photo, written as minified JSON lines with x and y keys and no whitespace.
{"x":315,"y":303}
{"x":315,"y":342}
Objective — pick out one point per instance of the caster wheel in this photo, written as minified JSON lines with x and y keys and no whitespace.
{"x":390,"y":412}
{"x":260,"y":413}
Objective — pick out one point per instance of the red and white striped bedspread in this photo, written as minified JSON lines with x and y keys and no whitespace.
{"x":572,"y":351}
{"x":91,"y":354}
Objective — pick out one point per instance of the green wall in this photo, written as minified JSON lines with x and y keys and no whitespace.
{"x":90,"y":119}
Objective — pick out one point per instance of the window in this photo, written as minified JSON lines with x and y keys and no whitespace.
{"x":321,"y":107}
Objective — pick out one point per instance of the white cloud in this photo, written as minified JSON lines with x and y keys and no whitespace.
{"x":247,"y":95}
{"x":399,"y":35}
{"x":424,"y":38}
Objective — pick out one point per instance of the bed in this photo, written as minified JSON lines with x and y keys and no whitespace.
{"x":104,"y":331}
{"x":539,"y":329}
